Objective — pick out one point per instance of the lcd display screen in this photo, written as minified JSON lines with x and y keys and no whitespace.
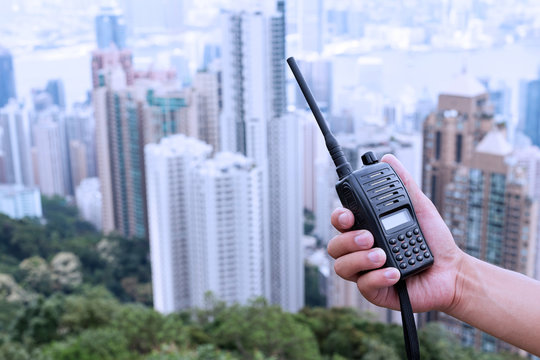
{"x":396,"y":219}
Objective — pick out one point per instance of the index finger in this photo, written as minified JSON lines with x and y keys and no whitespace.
{"x":342,"y":219}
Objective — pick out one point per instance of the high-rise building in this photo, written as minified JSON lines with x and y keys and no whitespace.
{"x":120,"y":140}
{"x":7,"y":79}
{"x":110,"y":28}
{"x":205,"y":224}
{"x":18,"y":201}
{"x":318,"y":74}
{"x":55,"y":88}
{"x":15,"y":152}
{"x":81,"y":128}
{"x":532,"y":110}
{"x":286,"y":211}
{"x":51,"y":157}
{"x":171,"y":247}
{"x":452,"y":133}
{"x":492,"y":217}
{"x":77,"y":162}
{"x":207,"y":89}
{"x":129,"y":116}
{"x":254,"y":108}
{"x":473,"y":178}
{"x":105,"y":63}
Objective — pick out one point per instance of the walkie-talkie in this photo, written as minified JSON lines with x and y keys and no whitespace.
{"x":380,"y":203}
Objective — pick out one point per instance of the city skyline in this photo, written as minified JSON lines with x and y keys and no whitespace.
{"x":193,"y":135}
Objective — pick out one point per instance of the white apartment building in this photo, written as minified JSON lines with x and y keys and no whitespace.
{"x":205,"y":224}
{"x":51,"y":157}
{"x":15,"y":154}
{"x":254,"y":110}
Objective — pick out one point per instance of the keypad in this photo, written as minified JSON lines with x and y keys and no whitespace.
{"x":409,"y":248}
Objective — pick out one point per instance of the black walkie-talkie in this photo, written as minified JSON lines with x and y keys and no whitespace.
{"x":380,"y":203}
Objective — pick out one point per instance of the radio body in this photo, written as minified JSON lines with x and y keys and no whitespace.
{"x":380,"y":203}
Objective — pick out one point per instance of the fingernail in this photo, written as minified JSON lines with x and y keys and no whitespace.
{"x":375,"y":255}
{"x":362,"y":239}
{"x":344,"y":219}
{"x":391,"y":274}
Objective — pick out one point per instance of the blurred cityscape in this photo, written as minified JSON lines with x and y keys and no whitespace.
{"x":177,"y":122}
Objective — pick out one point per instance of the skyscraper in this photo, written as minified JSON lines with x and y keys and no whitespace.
{"x":128,"y":115}
{"x":81,"y":128}
{"x":451,"y":133}
{"x":120,"y":140}
{"x":532,"y":110}
{"x":7,"y":79}
{"x":254,"y":109}
{"x":471,"y":175}
{"x":55,"y":88}
{"x":110,"y":28}
{"x":51,"y":157}
{"x":207,"y":89}
{"x":492,"y":217}
{"x":205,"y":224}
{"x":15,"y":153}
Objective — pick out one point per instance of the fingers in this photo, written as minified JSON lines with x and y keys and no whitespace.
{"x":350,"y":242}
{"x":371,"y":283}
{"x":404,"y":175}
{"x":342,"y":219}
{"x":348,"y":266}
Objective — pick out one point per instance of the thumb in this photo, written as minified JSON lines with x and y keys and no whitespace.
{"x":422,"y":205}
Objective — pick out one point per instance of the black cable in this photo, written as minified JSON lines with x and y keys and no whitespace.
{"x":409,"y":326}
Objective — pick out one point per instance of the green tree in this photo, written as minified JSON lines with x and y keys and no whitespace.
{"x":259,"y":326}
{"x":38,"y":322}
{"x":144,"y":328}
{"x":103,"y":344}
{"x":94,"y":307}
{"x":13,"y":351}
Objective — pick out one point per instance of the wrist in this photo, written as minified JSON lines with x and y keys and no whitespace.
{"x":463,"y":279}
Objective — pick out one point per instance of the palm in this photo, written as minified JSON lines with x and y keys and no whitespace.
{"x":434,"y":288}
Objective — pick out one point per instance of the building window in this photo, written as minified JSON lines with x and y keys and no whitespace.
{"x":437,"y":145}
{"x":459,"y":144}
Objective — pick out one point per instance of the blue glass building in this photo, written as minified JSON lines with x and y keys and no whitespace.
{"x":7,"y":80}
{"x":110,"y":28}
{"x":532,"y":111}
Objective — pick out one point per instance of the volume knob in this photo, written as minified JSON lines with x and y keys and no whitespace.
{"x":369,"y":158}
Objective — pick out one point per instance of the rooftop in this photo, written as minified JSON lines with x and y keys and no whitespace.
{"x":464,"y":85}
{"x":494,"y":143}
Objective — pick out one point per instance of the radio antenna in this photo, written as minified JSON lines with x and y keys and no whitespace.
{"x":343,"y":168}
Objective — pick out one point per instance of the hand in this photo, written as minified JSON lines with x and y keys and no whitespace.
{"x":436,"y":288}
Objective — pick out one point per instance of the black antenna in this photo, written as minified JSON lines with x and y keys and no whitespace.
{"x":343,"y":168}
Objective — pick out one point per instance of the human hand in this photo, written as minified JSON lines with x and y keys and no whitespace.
{"x":436,"y":288}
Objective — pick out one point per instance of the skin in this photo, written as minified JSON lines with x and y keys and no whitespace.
{"x":500,"y":302}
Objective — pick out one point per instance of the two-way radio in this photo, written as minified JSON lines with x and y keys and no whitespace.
{"x":380,"y":203}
